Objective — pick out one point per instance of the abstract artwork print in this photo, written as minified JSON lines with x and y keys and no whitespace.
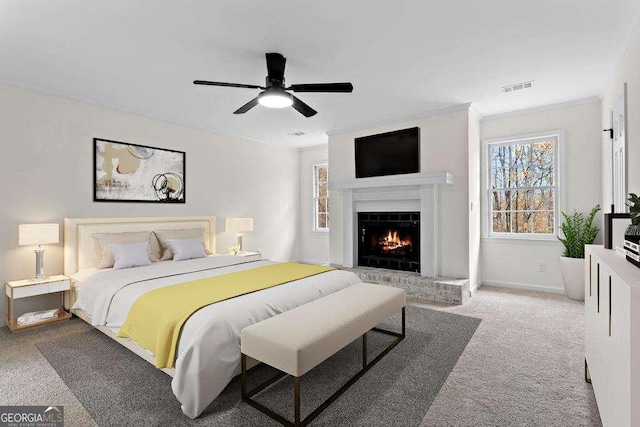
{"x":136,"y":173}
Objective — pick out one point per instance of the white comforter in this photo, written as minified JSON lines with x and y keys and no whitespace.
{"x":209,"y":346}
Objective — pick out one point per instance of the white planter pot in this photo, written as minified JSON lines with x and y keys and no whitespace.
{"x":573,"y":277}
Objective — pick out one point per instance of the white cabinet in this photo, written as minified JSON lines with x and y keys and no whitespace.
{"x":30,"y":287}
{"x":612,"y":335}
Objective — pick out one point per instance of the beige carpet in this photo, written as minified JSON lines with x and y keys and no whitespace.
{"x":523,"y":366}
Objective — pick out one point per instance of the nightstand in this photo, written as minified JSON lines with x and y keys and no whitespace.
{"x":31,"y":287}
{"x":250,"y":255}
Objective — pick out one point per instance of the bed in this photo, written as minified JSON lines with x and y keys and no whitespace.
{"x":208,"y":352}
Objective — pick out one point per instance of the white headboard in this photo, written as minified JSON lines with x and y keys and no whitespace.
{"x":79,"y":245}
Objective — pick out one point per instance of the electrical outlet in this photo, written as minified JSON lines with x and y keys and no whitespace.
{"x":542,"y":267}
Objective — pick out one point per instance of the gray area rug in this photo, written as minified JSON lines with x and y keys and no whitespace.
{"x":119,"y":388}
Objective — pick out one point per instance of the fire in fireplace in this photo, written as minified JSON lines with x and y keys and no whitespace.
{"x":393,"y":244}
{"x":389,"y":240}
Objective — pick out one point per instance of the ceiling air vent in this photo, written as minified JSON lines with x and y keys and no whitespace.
{"x":296,"y":133}
{"x":517,"y":86}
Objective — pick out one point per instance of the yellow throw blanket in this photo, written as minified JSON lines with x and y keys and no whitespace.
{"x":156,"y":318}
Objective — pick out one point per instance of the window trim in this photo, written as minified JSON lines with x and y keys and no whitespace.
{"x":315,"y":197}
{"x":559,"y":201}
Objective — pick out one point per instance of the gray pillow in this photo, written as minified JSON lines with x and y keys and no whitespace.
{"x":130,"y":255}
{"x":187,"y":248}
{"x":103,"y":240}
{"x":164,"y":235}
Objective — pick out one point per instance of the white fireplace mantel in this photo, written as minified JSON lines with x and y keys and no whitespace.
{"x":407,"y":180}
{"x":396,"y":191}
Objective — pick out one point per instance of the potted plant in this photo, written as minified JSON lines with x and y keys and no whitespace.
{"x":578,"y":231}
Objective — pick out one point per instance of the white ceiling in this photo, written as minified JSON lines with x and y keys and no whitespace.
{"x":403,"y":57}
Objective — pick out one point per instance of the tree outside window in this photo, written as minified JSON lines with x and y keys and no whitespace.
{"x":321,"y":197}
{"x":523,"y":186}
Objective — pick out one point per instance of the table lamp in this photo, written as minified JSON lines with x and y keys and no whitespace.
{"x":38,"y":234}
{"x":239,"y":225}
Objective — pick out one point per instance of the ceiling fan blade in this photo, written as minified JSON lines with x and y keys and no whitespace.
{"x":303,"y":108}
{"x":322,"y":87}
{"x":205,"y":82}
{"x":246,"y":107}
{"x":275,"y":66}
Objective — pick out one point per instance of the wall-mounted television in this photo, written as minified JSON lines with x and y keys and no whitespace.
{"x":390,"y":153}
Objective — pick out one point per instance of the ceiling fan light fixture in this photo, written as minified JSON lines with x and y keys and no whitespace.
{"x":275,"y":99}
{"x":274,"y":93}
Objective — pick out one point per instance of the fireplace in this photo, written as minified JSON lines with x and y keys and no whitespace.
{"x":389,"y":240}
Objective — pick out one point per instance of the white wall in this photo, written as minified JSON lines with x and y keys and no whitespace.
{"x":626,"y":71}
{"x":443,"y":148}
{"x":514,"y":263}
{"x":47,"y":175}
{"x":314,"y":245}
{"x":475,"y":264}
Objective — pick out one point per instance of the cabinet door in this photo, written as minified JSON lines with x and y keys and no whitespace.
{"x":634,"y":357}
{"x":600,"y":368}
{"x":596,"y":329}
{"x":618,"y":355}
{"x":590,"y":260}
{"x":592,"y":265}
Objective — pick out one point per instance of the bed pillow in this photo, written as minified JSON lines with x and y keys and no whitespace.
{"x":189,"y":233}
{"x":156,"y":249}
{"x":130,"y":255}
{"x":103,"y":240}
{"x":187,"y":248}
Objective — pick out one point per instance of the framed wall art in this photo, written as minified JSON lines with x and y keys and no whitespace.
{"x":126,"y":172}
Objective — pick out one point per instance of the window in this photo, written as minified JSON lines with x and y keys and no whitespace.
{"x":522,"y":190}
{"x":321,"y":197}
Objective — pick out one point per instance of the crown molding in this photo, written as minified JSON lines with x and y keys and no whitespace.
{"x":542,"y":108}
{"x":396,"y":120}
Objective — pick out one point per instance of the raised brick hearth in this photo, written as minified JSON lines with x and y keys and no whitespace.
{"x":442,"y":289}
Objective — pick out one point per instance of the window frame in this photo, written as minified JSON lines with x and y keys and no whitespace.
{"x":316,"y":197}
{"x":559,"y":194}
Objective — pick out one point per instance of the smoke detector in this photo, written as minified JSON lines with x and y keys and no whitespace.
{"x":517,"y":86}
{"x":296,"y":133}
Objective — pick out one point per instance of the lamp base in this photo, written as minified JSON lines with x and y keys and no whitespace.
{"x":40,"y":263}
{"x":239,"y":241}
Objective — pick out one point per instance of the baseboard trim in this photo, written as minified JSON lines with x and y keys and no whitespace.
{"x":523,"y":286}
{"x":313,"y":261}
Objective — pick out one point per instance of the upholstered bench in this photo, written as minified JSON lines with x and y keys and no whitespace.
{"x":298,"y":340}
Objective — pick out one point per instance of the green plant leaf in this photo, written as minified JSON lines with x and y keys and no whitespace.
{"x":634,"y":208}
{"x":579,"y":231}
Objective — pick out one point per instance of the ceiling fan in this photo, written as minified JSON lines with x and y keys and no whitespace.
{"x":275,"y":94}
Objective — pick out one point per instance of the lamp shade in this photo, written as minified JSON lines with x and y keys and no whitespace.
{"x":38,"y":234}
{"x":239,"y":224}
